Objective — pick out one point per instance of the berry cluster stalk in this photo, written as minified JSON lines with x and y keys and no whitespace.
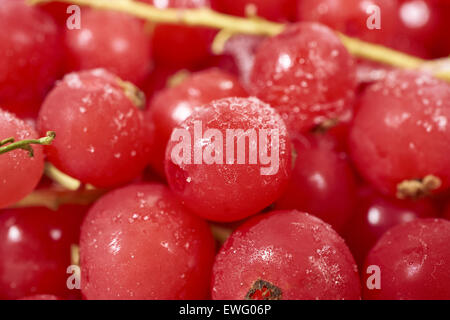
{"x":204,"y":17}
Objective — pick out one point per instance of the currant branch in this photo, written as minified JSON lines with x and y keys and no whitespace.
{"x":10,"y":144}
{"x":61,"y":178}
{"x":52,"y":198}
{"x":229,"y":25}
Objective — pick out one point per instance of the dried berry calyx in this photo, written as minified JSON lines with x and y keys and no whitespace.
{"x":418,"y":188}
{"x":263,"y":290}
{"x":133,"y":93}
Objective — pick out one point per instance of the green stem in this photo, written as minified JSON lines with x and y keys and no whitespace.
{"x":10,"y":144}
{"x":6,"y":141}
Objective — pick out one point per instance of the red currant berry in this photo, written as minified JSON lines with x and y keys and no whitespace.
{"x":306,"y":74}
{"x":110,"y":40}
{"x":322,"y":183}
{"x":400,"y":137}
{"x":279,"y":10}
{"x":376,"y":215}
{"x":229,"y":159}
{"x":30,"y":55}
{"x":19,"y":173}
{"x":413,"y":260}
{"x":181,"y":46}
{"x":101,"y":133}
{"x":173,"y":105}
{"x":139,"y":242}
{"x":420,"y":24}
{"x":285,"y":255}
{"x":35,"y":246}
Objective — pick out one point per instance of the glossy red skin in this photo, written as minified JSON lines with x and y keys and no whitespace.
{"x":114,"y":41}
{"x":171,"y":106}
{"x":441,"y":48}
{"x":35,"y":249}
{"x":139,"y":242}
{"x":422,"y":26}
{"x":376,"y":215}
{"x":30,"y":56}
{"x":297,"y":252}
{"x":278,"y":10}
{"x":41,"y":297}
{"x":322,"y":183}
{"x":181,"y":46}
{"x":400,"y":131}
{"x":19,"y":173}
{"x":413,"y":260}
{"x":306,"y":74}
{"x":447,"y":212}
{"x":230,"y":192}
{"x":101,"y":135}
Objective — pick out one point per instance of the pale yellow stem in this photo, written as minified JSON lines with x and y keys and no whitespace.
{"x":204,"y":17}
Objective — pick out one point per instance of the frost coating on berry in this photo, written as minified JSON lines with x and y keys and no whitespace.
{"x":95,"y":120}
{"x":172,"y":106}
{"x":296,"y":252}
{"x":232,"y":190}
{"x":140,"y":242}
{"x":306,"y":74}
{"x":19,"y":173}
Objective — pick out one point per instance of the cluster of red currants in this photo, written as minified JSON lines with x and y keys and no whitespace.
{"x":357,"y":158}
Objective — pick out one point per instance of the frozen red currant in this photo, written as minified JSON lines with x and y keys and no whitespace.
{"x":114,"y":41}
{"x":376,"y":215}
{"x":35,"y":246}
{"x":229,"y":159}
{"x":400,"y":139}
{"x":413,"y":260}
{"x":19,"y":173}
{"x":322,"y":183}
{"x":139,"y":242}
{"x":181,"y":46}
{"x":306,"y":74}
{"x":172,"y":106}
{"x":101,"y":132}
{"x":30,"y":55}
{"x":278,"y":10}
{"x":285,"y":255}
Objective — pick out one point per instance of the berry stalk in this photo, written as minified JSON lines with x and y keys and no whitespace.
{"x":205,"y":17}
{"x":52,"y":199}
{"x":10,"y":144}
